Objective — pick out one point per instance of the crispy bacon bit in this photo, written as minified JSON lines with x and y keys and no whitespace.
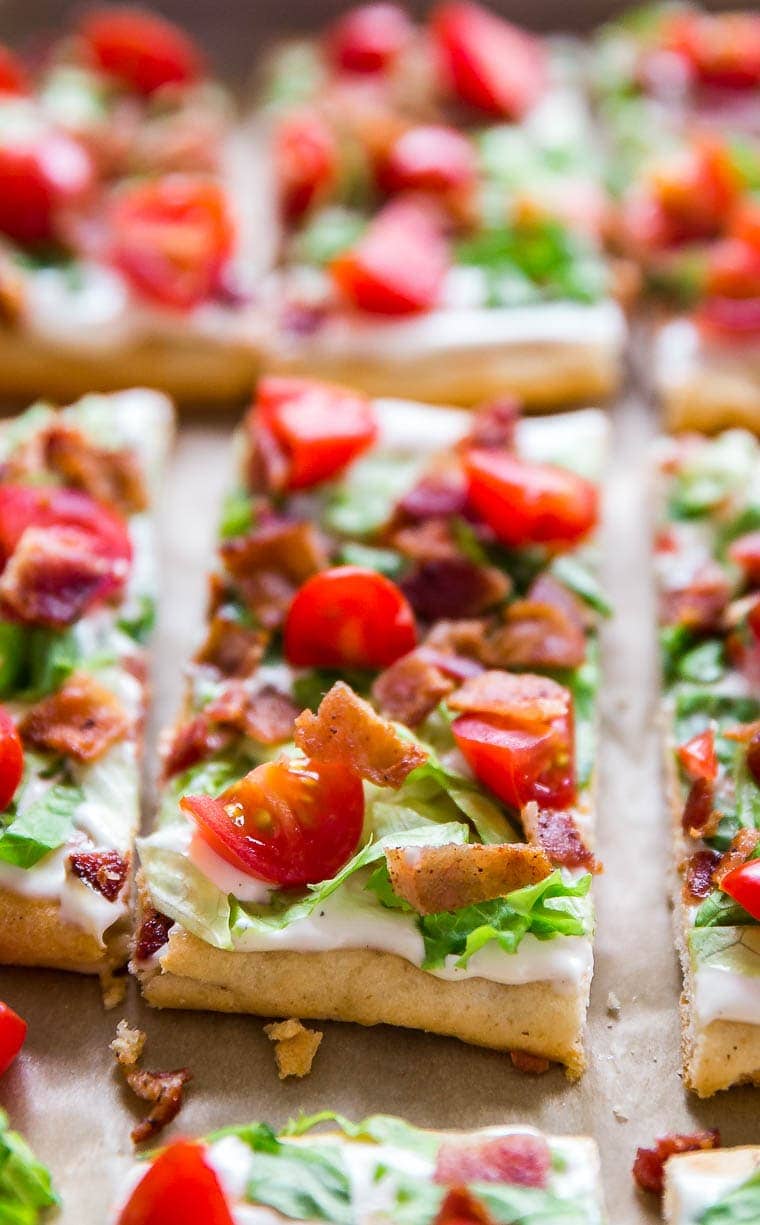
{"x":192,"y":742}
{"x":522,"y":696}
{"x":700,"y":818}
{"x":698,"y":875}
{"x":458,"y":667}
{"x":153,"y":932}
{"x":231,"y":649}
{"x":546,"y":589}
{"x":164,"y":1090}
{"x":104,"y":871}
{"x":555,"y":830}
{"x":53,"y":576}
{"x":346,"y":729}
{"x":649,"y":1166}
{"x":494,"y":425}
{"x":265,"y":715}
{"x":744,"y":844}
{"x":522,"y":1159}
{"x":81,"y":720}
{"x":699,"y":605}
{"x":428,"y":540}
{"x":436,"y":878}
{"x":530,"y":1065}
{"x":437,"y":495}
{"x":294,"y":1047}
{"x":110,"y":476}
{"x":410,"y":689}
{"x":462,"y":638}
{"x":271,"y":563}
{"x":454,"y":588}
{"x":268,"y":466}
{"x":536,"y":635}
{"x":460,"y":1207}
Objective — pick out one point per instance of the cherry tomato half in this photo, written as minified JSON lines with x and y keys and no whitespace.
{"x":11,"y":760}
{"x":348,"y":617}
{"x":519,"y":764}
{"x":720,"y":49}
{"x":321,"y":427}
{"x":178,"y":1188}
{"x":698,"y":756}
{"x":488,"y":62}
{"x":369,"y":38}
{"x":142,"y":50}
{"x":398,"y":265}
{"x":14,"y":78}
{"x":12,"y":1035}
{"x":430,"y":158}
{"x":171,"y":238}
{"x":743,"y":885}
{"x":305,"y":157}
{"x":526,"y":503}
{"x":23,"y":506}
{"x":289,"y":822}
{"x":744,"y":552}
{"x":43,"y":173}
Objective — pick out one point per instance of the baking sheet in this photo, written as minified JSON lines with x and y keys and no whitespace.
{"x":65,"y":1095}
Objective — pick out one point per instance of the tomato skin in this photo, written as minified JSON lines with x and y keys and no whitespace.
{"x":11,"y":760}
{"x":23,"y":506}
{"x":40,"y":178}
{"x":289,"y":822}
{"x":178,"y":1188}
{"x":14,"y":78}
{"x":519,"y":764}
{"x":12,"y":1035}
{"x":698,"y":756}
{"x":526,"y":503}
{"x":348,"y":617}
{"x":141,"y":49}
{"x":398,"y":265}
{"x":305,"y":163}
{"x":431,"y":158}
{"x":488,"y":62}
{"x":370,"y":38}
{"x":743,"y":885}
{"x":744,"y":551}
{"x":721,"y":49}
{"x":171,"y":238}
{"x":321,"y":426}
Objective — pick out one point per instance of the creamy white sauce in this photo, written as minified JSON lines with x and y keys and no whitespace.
{"x":680,"y":351}
{"x":722,"y":995}
{"x":49,"y":880}
{"x":693,"y":1188}
{"x":243,"y":886}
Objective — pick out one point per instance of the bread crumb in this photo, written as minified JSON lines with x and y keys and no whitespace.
{"x":620,"y":1114}
{"x":128,"y":1044}
{"x":113,"y":988}
{"x":294,"y":1046}
{"x":614,"y":1007}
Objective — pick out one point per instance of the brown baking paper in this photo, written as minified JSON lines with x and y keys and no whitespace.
{"x":66,"y":1096}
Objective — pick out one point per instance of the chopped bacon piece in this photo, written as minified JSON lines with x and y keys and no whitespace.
{"x":410,"y":689}
{"x":522,"y":1159}
{"x":460,"y":1207}
{"x":54,"y":575}
{"x":546,"y":589}
{"x":458,"y":667}
{"x":454,"y":588}
{"x":271,"y":563}
{"x":346,"y":729}
{"x":81,"y":720}
{"x":164,"y":1090}
{"x":536,"y":635}
{"x":531,"y":1065}
{"x":426,"y":540}
{"x":700,"y":818}
{"x":524,"y":697}
{"x":437,"y":495}
{"x":192,"y":742}
{"x":104,"y":871}
{"x":265,"y":715}
{"x":649,"y":1166}
{"x":698,"y":875}
{"x":556,"y":832}
{"x":700,"y":604}
{"x":153,"y":932}
{"x":494,"y":425}
{"x":743,"y":845}
{"x":462,"y":638}
{"x":110,"y":476}
{"x":231,"y":649}
{"x":268,"y":464}
{"x":436,"y":878}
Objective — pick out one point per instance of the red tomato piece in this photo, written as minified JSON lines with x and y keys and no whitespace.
{"x":43,"y":174}
{"x":488,"y":62}
{"x":730,"y":317}
{"x":12,"y":1034}
{"x":398,"y":265}
{"x":720,"y":49}
{"x":45,"y":506}
{"x":698,"y":756}
{"x":431,"y":158}
{"x":348,"y":617}
{"x":696,"y":190}
{"x":745,"y":553}
{"x":178,"y":1188}
{"x":321,"y":427}
{"x":171,"y":238}
{"x":743,"y":885}
{"x":305,"y":162}
{"x":11,"y":760}
{"x":517,"y":763}
{"x":526,"y":503}
{"x":14,"y":78}
{"x":141,"y":49}
{"x":289,"y":822}
{"x":370,"y":38}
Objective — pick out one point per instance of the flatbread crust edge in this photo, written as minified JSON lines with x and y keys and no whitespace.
{"x":371,"y":988}
{"x":33,"y":933}
{"x":710,"y":400}
{"x":738,"y":1162}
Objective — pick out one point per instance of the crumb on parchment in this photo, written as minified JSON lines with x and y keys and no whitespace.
{"x":113,"y":988}
{"x":614,"y":1007}
{"x":294,"y":1046}
{"x":164,"y":1090}
{"x":128,"y":1044}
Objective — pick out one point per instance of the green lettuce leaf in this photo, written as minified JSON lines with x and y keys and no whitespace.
{"x":237,"y":514}
{"x":364,"y":500}
{"x":703,"y":664}
{"x":740,"y":1207}
{"x":543,"y":260}
{"x":35,"y":661}
{"x":138,"y":620}
{"x":40,"y":828}
{"x":712,"y":474}
{"x":25,"y":1184}
{"x":180,"y":890}
{"x":381,"y":1128}
{"x":735,"y":949}
{"x":579,"y":578}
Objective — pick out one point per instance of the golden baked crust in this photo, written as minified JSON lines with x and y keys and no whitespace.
{"x":714,"y":399}
{"x":370,"y":988}
{"x":33,"y":933}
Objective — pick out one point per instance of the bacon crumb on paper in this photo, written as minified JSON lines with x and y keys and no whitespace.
{"x":532,"y":1065}
{"x":294,"y":1046}
{"x":163,"y":1089}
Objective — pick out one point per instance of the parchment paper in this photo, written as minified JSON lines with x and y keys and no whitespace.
{"x":64,"y":1094}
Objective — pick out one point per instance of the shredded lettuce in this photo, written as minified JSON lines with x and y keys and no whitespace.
{"x":543,"y":260}
{"x":35,"y":661}
{"x":713,"y":474}
{"x":25,"y":1184}
{"x":740,"y":1207}
{"x":138,"y":620}
{"x":572,"y":571}
{"x":31,"y":832}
